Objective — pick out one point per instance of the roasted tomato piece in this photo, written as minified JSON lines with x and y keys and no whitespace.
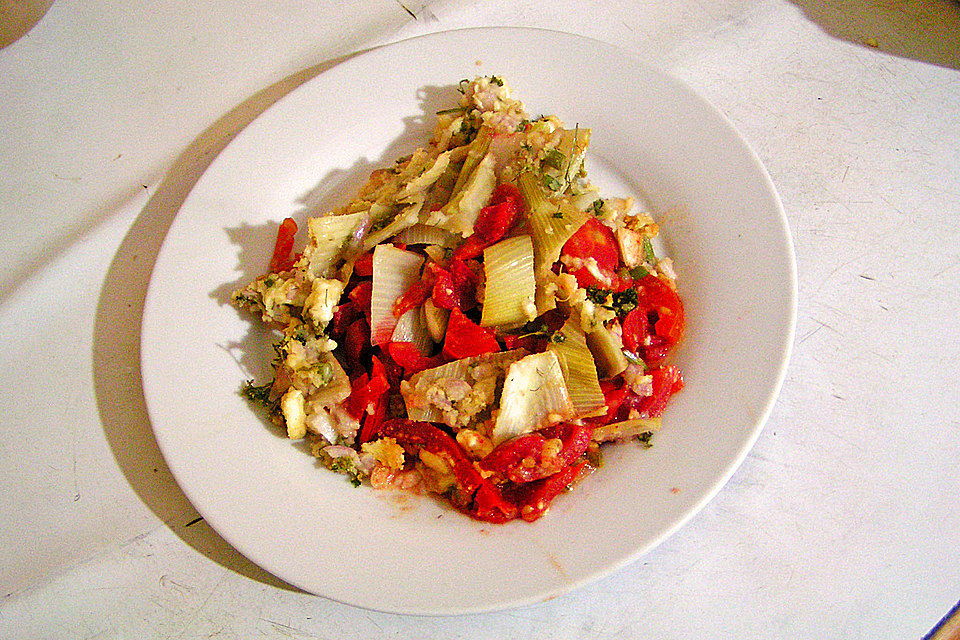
{"x":361,"y":296}
{"x":408,"y":356}
{"x":363,"y":267}
{"x":413,"y":297}
{"x":493,"y":221}
{"x":658,"y":322}
{"x":659,"y":297}
{"x":456,"y":287}
{"x":666,"y":382}
{"x":533,"y":498}
{"x":465,"y":338}
{"x":592,"y":255}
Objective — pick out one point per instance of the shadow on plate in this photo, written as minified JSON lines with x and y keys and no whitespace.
{"x":924,"y":30}
{"x":116,"y":357}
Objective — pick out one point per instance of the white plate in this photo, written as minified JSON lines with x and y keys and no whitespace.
{"x":268,"y":498}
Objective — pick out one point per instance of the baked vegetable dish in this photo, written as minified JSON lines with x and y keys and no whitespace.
{"x":477,"y":321}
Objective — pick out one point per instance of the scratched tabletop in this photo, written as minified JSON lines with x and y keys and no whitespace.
{"x":842,"y":522}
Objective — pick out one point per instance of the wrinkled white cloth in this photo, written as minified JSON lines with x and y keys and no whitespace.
{"x":841,"y":523}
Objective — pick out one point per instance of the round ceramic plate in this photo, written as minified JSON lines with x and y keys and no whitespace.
{"x":652,"y":138}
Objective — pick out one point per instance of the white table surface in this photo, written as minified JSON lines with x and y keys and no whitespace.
{"x":842,"y":523}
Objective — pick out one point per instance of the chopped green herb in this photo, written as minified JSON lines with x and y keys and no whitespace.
{"x":597,"y":206}
{"x":260,"y":395}
{"x":301,"y":333}
{"x":649,"y":255}
{"x":523,"y":127}
{"x":644,"y":439}
{"x":558,"y":214}
{"x":558,"y":337}
{"x":633,"y":358}
{"x":597,"y":295}
{"x":496,"y":80}
{"x":462,"y":86}
{"x":625,"y":301}
{"x":451,"y":110}
{"x":638,"y":273}
{"x":346,"y":466}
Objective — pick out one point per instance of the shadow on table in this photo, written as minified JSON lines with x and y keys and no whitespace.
{"x":18,"y":17}
{"x":116,"y":357}
{"x":924,"y":30}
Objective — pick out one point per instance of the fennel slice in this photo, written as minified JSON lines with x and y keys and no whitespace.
{"x":394,"y":271}
{"x":534,"y":396}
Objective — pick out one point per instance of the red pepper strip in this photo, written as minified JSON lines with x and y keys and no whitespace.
{"x":392,"y":370}
{"x":408,"y":356}
{"x":456,"y":288}
{"x":575,"y":439}
{"x":465,"y":338}
{"x":367,"y":391}
{"x":343,"y":316}
{"x":655,"y":353}
{"x":614,"y":393}
{"x":282,"y":260}
{"x":489,"y":505}
{"x":415,"y":295}
{"x":444,"y":294}
{"x":657,"y":323}
{"x":508,"y":191}
{"x":663,"y":299}
{"x":472,"y":248}
{"x":372,"y":421}
{"x":493,"y":222}
{"x":361,"y":296}
{"x":357,"y":340}
{"x":511,"y":453}
{"x":431,"y":438}
{"x":635,"y":327}
{"x":594,"y":240}
{"x":534,"y":498}
{"x":363,"y":267}
{"x":465,"y":282}
{"x":521,"y":459}
{"x":354,"y":406}
{"x":475,"y":494}
{"x":666,"y":382}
